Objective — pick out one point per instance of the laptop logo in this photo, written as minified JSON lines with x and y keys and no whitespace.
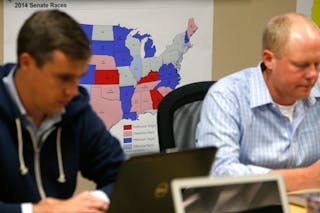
{"x":161,"y":190}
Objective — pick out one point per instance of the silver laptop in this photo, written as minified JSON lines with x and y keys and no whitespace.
{"x":263,"y":193}
{"x":143,"y":183}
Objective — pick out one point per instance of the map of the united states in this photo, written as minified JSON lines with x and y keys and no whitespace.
{"x":125,"y":76}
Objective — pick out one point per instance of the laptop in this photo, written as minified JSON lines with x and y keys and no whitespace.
{"x":263,"y":193}
{"x":143,"y":182}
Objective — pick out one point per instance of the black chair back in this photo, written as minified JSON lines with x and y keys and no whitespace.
{"x":178,"y":115}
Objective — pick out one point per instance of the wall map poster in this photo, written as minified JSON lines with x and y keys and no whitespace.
{"x":141,"y":50}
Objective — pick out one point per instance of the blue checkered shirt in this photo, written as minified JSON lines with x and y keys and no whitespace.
{"x":252,"y":135}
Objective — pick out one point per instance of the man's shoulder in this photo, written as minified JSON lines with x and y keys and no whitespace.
{"x":237,"y":82}
{"x":6,"y":68}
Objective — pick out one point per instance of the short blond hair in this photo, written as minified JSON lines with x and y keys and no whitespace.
{"x":278,"y":29}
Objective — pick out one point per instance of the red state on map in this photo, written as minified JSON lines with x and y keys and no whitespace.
{"x":127,"y":127}
{"x":152,"y":76}
{"x":107,"y":77}
{"x":156,"y":98}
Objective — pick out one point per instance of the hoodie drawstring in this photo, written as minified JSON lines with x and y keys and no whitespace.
{"x":61,"y":178}
{"x":23,"y":168}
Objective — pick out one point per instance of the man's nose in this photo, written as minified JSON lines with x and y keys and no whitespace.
{"x":71,"y":88}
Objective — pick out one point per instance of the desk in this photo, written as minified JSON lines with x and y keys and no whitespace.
{"x":297,"y":209}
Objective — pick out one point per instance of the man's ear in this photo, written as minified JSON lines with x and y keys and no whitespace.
{"x":26,"y":61}
{"x":267,"y":57}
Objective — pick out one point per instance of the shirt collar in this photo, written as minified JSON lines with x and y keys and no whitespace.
{"x":315,"y":93}
{"x":260,"y":94}
{"x":9,"y":83}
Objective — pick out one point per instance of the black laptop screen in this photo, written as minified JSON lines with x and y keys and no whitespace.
{"x":234,"y":198}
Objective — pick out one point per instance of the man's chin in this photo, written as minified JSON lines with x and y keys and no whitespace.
{"x":303,"y":95}
{"x":56,"y":110}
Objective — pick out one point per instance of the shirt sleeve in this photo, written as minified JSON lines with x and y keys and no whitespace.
{"x":100,"y":194}
{"x":26,"y":207}
{"x":220,"y":127}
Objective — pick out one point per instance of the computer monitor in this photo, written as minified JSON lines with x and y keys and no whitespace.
{"x":143,"y":183}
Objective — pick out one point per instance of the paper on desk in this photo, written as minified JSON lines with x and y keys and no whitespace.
{"x":299,"y":197}
{"x":304,"y":191}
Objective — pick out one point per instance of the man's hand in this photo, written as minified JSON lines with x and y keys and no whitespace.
{"x":313,"y":174}
{"x":301,"y":178}
{"x":84,"y":202}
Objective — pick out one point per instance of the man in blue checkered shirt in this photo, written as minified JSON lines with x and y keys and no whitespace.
{"x":267,"y":118}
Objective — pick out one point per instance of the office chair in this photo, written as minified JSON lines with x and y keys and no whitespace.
{"x":178,"y":115}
